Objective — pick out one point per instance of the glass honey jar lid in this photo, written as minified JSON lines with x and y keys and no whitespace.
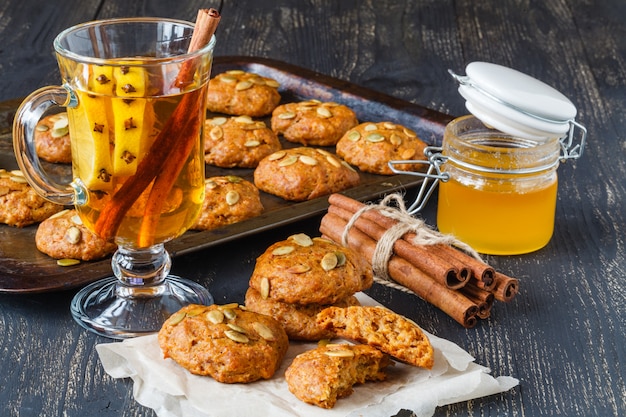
{"x":516,"y":103}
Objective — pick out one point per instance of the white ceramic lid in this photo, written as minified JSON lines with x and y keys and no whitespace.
{"x":514,"y":102}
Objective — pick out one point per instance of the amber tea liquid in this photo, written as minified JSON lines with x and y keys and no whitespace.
{"x":112,"y":130}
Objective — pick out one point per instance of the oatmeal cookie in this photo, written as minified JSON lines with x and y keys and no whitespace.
{"x":323,"y":375}
{"x":228,"y":199}
{"x":228,"y":343}
{"x":381,"y":328}
{"x":298,"y":320}
{"x":313,"y":122}
{"x":370,"y":146}
{"x":301,"y":270}
{"x":238,"y":142}
{"x":63,"y":236}
{"x":301,"y":174}
{"x":20,"y":205}
{"x":239,"y":93}
{"x":52,"y":139}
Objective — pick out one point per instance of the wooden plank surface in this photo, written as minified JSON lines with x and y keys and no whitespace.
{"x":563,"y":336}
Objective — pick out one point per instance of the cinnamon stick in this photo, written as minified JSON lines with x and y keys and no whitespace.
{"x":482,"y":273}
{"x":206,"y":25}
{"x":483,"y":299}
{"x":172,"y":145}
{"x":505,"y":287}
{"x":445,"y":273}
{"x":452,"y":302}
{"x":376,"y":217}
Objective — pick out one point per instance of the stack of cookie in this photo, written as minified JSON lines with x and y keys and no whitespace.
{"x":295,"y":279}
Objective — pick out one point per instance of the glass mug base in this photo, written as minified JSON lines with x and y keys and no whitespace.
{"x":106,"y":308}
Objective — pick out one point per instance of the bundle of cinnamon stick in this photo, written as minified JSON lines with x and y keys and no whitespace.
{"x":454,"y":281}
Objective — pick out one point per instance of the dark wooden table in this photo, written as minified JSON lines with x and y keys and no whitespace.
{"x":563,"y":336}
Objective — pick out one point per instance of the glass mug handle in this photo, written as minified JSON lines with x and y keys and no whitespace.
{"x":26,"y":118}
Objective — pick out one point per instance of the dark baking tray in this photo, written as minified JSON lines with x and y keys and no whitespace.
{"x":23,"y":269}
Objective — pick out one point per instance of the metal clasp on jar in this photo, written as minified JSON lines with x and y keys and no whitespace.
{"x":432,"y":176}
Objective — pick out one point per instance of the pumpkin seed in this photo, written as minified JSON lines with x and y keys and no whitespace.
{"x":210,"y":184}
{"x":232,"y":197}
{"x":228,"y":79}
{"x":195,"y":311}
{"x":283,"y":250}
{"x":76,"y":220}
{"x":42,"y":128}
{"x":308,"y":160}
{"x":370,"y":127}
{"x":228,"y":306}
{"x":73,"y":235}
{"x":177,"y":318}
{"x":322,"y":151}
{"x":323,"y":112}
{"x":216,"y":133}
{"x":263,"y":331}
{"x":375,"y":137}
{"x":218,"y":121}
{"x":18,"y":179}
{"x":272,"y":83}
{"x":290,"y":160}
{"x":276,"y":155}
{"x":236,"y":72}
{"x":347,"y":165}
{"x":409,"y":133}
{"x":59,"y":214}
{"x":236,"y":328}
{"x":265,"y":288}
{"x":253,"y":143}
{"x":389,"y":125}
{"x":234,"y":179}
{"x":243,"y":85}
{"x":299,"y":269}
{"x":395,"y":139}
{"x":302,"y":239}
{"x":329,"y":261}
{"x":17,"y":173}
{"x":246,"y":120}
{"x":229,"y":313}
{"x":68,"y":262}
{"x":341,"y":258}
{"x":354,"y":135}
{"x":215,"y":316}
{"x":287,"y":115}
{"x":236,"y":336}
{"x":333,"y":161}
{"x":407,"y":154}
{"x":342,"y":353}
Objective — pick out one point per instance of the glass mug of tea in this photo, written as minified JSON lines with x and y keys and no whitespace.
{"x":135,"y":94}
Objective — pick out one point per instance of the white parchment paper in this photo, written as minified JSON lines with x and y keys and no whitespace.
{"x":171,"y":391}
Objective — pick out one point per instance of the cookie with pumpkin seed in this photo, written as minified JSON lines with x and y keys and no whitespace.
{"x":226,"y":342}
{"x":304,"y":270}
{"x":238,"y":92}
{"x":312,"y":122}
{"x":52,"y":139}
{"x":298,"y":320}
{"x":228,"y":199}
{"x":327,"y":373}
{"x":304,"y":173}
{"x":20,"y":205}
{"x":370,"y":146}
{"x":64,"y":236}
{"x":238,"y":141}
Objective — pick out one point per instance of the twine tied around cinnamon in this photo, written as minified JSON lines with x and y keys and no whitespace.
{"x":424,"y":235}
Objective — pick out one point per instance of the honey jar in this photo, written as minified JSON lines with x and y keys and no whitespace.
{"x":497,"y":167}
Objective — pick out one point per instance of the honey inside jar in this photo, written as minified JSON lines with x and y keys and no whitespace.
{"x":501,"y":195}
